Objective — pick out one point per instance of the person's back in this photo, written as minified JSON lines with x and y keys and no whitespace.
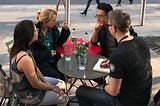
{"x":137,"y":72}
{"x":21,"y":86}
{"x":130,"y":62}
{"x":130,"y":69}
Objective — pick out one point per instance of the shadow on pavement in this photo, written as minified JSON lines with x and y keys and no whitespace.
{"x":153,"y":43}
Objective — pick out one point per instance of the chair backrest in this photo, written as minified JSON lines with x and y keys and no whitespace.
{"x":9,"y":45}
{"x":4,"y":83}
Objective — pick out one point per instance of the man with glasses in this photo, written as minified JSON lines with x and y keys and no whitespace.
{"x":101,"y":33}
{"x":130,"y":69}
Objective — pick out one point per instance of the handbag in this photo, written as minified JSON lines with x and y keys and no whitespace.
{"x":4,"y":88}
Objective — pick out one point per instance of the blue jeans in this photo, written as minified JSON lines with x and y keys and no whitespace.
{"x":89,"y":96}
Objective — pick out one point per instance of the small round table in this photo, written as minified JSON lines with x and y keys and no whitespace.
{"x":71,"y":68}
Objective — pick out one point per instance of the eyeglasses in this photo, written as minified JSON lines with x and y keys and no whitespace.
{"x":36,"y":30}
{"x":109,"y":25}
{"x":99,"y":16}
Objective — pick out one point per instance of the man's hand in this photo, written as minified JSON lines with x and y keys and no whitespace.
{"x":98,"y":26}
{"x":105,"y":63}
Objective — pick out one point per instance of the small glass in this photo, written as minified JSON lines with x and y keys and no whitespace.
{"x":67,"y":54}
{"x":67,"y":57}
{"x":68,"y":49}
{"x":82,"y":61}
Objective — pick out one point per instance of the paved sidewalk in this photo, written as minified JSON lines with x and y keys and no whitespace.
{"x":12,"y":14}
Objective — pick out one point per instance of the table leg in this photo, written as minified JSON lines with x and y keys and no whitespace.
{"x":83,"y":82}
{"x":72,"y":84}
{"x":91,"y":83}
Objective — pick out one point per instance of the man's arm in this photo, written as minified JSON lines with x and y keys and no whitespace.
{"x":113,"y":87}
{"x":97,"y":27}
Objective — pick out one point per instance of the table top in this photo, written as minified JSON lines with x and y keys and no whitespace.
{"x":71,"y":68}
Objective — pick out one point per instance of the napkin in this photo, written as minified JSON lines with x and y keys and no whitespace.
{"x":98,"y":68}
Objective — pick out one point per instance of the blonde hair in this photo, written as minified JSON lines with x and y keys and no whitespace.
{"x":45,"y":14}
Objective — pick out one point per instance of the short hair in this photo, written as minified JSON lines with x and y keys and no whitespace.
{"x":105,"y":7}
{"x":45,"y":14}
{"x":120,"y":19}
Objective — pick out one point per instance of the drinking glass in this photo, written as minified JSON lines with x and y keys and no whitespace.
{"x":82,"y":61}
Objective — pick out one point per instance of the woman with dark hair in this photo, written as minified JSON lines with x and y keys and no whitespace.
{"x":30,"y":86}
{"x":49,"y":37}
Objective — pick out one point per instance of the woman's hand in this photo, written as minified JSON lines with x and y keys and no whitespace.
{"x":58,"y":90}
{"x":65,"y":26}
{"x":105,"y":63}
{"x":53,"y":53}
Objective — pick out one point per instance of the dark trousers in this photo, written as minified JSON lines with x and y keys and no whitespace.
{"x":89,"y":96}
{"x":89,"y":3}
{"x":119,"y":1}
{"x":51,"y":71}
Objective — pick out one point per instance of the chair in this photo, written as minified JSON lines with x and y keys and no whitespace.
{"x":9,"y":45}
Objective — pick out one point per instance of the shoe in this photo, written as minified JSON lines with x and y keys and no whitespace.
{"x":84,"y":13}
{"x":118,"y":4}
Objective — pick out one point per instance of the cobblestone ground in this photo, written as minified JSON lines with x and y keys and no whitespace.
{"x":153,"y":43}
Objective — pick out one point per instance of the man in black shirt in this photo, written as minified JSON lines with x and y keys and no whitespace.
{"x":102,"y":35}
{"x":130,"y":69}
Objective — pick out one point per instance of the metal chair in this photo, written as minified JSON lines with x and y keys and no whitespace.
{"x":9,"y":45}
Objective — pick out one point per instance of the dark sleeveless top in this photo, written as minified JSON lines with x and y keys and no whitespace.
{"x":21,"y":86}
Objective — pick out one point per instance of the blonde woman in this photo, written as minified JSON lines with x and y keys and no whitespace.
{"x":49,"y":37}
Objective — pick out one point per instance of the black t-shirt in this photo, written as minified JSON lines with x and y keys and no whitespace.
{"x":131,"y":63}
{"x":107,"y":42}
